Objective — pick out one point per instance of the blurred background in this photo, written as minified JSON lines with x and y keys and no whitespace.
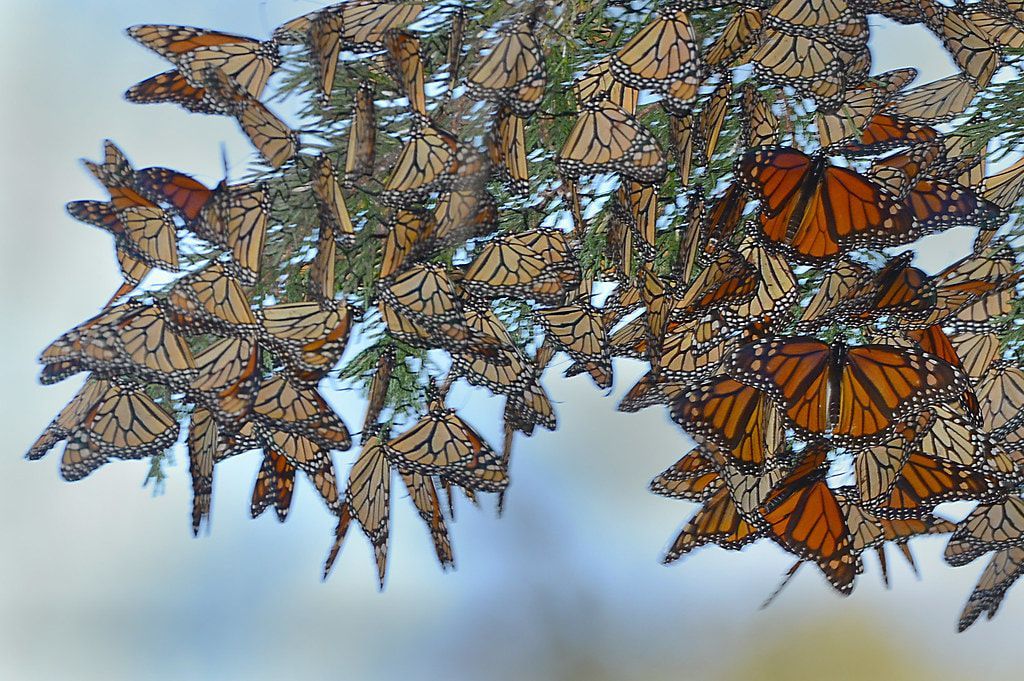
{"x":102,"y":579}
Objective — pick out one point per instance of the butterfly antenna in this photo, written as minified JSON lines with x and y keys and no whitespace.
{"x":786,"y":579}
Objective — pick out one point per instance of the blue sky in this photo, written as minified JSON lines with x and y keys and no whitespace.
{"x":98,"y":579}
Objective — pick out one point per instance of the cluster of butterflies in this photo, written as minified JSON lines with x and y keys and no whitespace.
{"x":782,"y":340}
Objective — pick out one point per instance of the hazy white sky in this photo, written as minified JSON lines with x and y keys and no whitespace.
{"x":100,"y":580}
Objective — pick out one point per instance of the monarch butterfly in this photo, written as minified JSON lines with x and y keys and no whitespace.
{"x":697,"y":336}
{"x":407,"y":67}
{"x":859,"y":106}
{"x":720,"y":222}
{"x":246,"y":61}
{"x":694,"y":477}
{"x":976,"y":351}
{"x":283,"y":405}
{"x":70,"y":417}
{"x":681,"y":362}
{"x":956,"y":438}
{"x":979,"y":315}
{"x":865,"y":529}
{"x":619,"y":246}
{"x":737,"y":38}
{"x":379,"y":383}
{"x":870,"y":531}
{"x":936,"y":102}
{"x":331,"y":202}
{"x":530,"y":406}
{"x":308,"y":337}
{"x":228,"y":379}
{"x":1006,"y":566}
{"x":513,"y":73}
{"x":209,"y":300}
{"x":143,"y":232}
{"x":322,"y":269}
{"x":1000,"y":394}
{"x":899,"y":172}
{"x":939,"y":204}
{"x":639,"y":209}
{"x":507,"y":149}
{"x":682,"y":134}
{"x":455,"y":44}
{"x":275,"y":141}
{"x":578,"y":329}
{"x":441,"y":443}
{"x":232,"y":217}
{"x":749,"y":485}
{"x":964,"y":162}
{"x":117,"y":176}
{"x":535,"y":264}
{"x":972,"y":50}
{"x":739,"y":419}
{"x":182,"y":193}
{"x":989,"y":527}
{"x":606,"y":138}
{"x":107,"y":419}
{"x":459,"y":215}
{"x":424,"y":293}
{"x":597,"y":82}
{"x":203,"y":443}
{"x":504,"y":372}
{"x":811,"y":65}
{"x":712,"y":118}
{"x":776,"y":284}
{"x":275,"y":484}
{"x":323,"y":38}
{"x":719,"y":522}
{"x":427,"y":163}
{"x":994,"y":23}
{"x":1005,"y":187}
{"x":814,"y":211}
{"x":236,"y":218}
{"x":127,"y":340}
{"x":972,"y":280}
{"x":878,"y":467}
{"x":233,"y":442}
{"x":453,"y":337}
{"x":657,"y":310}
{"x":408,"y":231}
{"x":362,"y":136}
{"x":361,"y":25}
{"x":368,"y":498}
{"x":803,"y":515}
{"x":926,"y":481}
{"x":760,"y":125}
{"x":854,"y":291}
{"x":800,"y":15}
{"x":174,"y":88}
{"x":692,"y":241}
{"x":729,"y":280}
{"x":306,"y":455}
{"x":851,"y":392}
{"x":663,"y":55}
{"x":424,"y":496}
